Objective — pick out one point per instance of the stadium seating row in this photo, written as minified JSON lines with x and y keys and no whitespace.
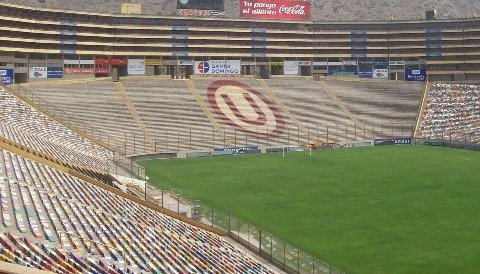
{"x":25,"y":125}
{"x":174,"y":120}
{"x":53,"y":221}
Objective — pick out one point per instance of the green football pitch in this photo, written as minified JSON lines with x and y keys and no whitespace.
{"x":391,"y":209}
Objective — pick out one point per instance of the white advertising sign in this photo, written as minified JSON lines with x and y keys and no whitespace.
{"x":290,"y":68}
{"x":217,"y":67}
{"x":87,"y":62}
{"x":38,"y":72}
{"x":380,"y":73}
{"x":136,"y":67}
{"x":71,"y":62}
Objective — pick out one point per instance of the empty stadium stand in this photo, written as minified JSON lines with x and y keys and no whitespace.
{"x":103,"y":231}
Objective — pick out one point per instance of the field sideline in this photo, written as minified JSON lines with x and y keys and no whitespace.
{"x":412,"y":209}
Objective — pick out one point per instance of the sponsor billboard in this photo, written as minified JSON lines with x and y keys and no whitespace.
{"x":55,"y":72}
{"x":136,"y":67}
{"x":342,"y":72}
{"x":217,"y":67}
{"x":200,"y":4}
{"x":7,"y":76}
{"x":305,"y":63}
{"x":38,"y":72}
{"x":102,"y":70}
{"x":239,"y":150}
{"x":290,"y":68}
{"x":415,"y":75}
{"x":199,"y":13}
{"x":153,"y":62}
{"x":275,"y":9}
{"x":397,"y":63}
{"x":365,"y":69}
{"x":380,"y":73}
{"x":185,"y":62}
{"x":394,"y":141}
{"x":78,"y":70}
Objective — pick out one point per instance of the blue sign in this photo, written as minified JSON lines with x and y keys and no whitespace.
{"x":7,"y":76}
{"x":343,"y":72}
{"x":416,"y":75}
{"x":55,"y":72}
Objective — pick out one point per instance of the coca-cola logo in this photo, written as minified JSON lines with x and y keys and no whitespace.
{"x":293,"y":10}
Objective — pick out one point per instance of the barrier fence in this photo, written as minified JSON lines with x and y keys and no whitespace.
{"x":279,"y":252}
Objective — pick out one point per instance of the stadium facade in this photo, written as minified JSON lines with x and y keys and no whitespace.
{"x":40,"y":44}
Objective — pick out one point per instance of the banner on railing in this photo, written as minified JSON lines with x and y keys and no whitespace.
{"x":275,"y":9}
{"x":419,"y":75}
{"x":79,"y":70}
{"x":343,"y":72}
{"x":290,"y":68}
{"x":380,"y":73}
{"x":217,"y":67}
{"x":55,"y":72}
{"x":7,"y":76}
{"x":38,"y":72}
{"x":136,"y":66}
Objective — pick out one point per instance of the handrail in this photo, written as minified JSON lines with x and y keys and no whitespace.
{"x":423,"y":99}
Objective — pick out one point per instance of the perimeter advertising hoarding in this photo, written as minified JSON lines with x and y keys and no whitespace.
{"x":275,"y":9}
{"x":217,"y":67}
{"x":7,"y":76}
{"x":419,"y":75}
{"x":394,"y":141}
{"x":136,"y":66}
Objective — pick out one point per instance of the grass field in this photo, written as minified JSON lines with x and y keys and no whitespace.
{"x":412,"y":209}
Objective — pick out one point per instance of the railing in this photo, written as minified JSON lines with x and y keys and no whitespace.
{"x":279,"y":252}
{"x":121,"y":165}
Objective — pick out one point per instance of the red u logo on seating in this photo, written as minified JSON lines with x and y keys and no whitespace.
{"x":244,"y":108}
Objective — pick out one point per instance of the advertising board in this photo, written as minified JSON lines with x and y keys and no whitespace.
{"x":275,"y":9}
{"x":7,"y":76}
{"x":217,"y":67}
{"x":290,"y":68}
{"x":342,"y":72}
{"x":78,"y":70}
{"x":54,"y":72}
{"x":393,"y":141}
{"x":380,"y":73}
{"x":136,"y":67}
{"x":38,"y":72}
{"x":419,"y":75}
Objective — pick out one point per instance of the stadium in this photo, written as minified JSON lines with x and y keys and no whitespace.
{"x":228,"y":136}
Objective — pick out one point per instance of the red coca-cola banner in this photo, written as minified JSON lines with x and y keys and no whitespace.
{"x":275,"y":9}
{"x":78,"y":70}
